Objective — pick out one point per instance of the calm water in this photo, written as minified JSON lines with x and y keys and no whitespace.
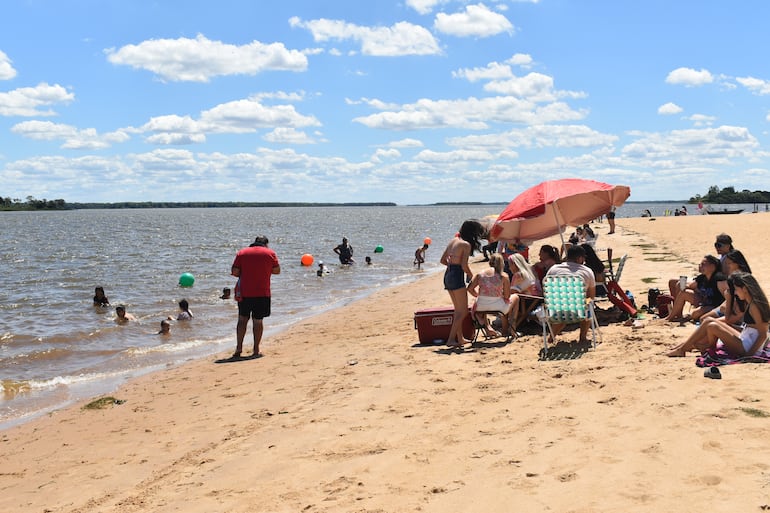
{"x":56,"y":347}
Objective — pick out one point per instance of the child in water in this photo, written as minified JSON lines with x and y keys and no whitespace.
{"x":121,"y":317}
{"x":419,"y":255}
{"x":184,"y":312}
{"x":225,"y":293}
{"x":165,"y":327}
{"x":99,"y":298}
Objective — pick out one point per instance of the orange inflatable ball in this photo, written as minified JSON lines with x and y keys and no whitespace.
{"x":427,"y":241}
{"x":307,"y":260}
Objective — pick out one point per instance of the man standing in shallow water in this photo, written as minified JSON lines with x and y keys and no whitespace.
{"x":254,"y":266}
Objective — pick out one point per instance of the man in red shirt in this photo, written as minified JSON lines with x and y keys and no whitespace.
{"x":253,"y":266}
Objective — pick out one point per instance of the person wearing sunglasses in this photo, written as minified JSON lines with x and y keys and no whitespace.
{"x":723,"y":245}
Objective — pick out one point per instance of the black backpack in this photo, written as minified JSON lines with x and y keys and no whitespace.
{"x":652,"y":298}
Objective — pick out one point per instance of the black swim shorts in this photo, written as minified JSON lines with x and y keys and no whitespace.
{"x":255,"y":307}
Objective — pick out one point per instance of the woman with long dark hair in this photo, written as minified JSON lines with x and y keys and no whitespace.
{"x":732,"y":308}
{"x":745,"y":342}
{"x":455,"y":258}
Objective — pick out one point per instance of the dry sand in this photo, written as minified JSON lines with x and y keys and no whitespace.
{"x":346,"y":413}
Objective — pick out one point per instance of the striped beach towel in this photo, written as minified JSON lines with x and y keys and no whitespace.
{"x":717,"y":357}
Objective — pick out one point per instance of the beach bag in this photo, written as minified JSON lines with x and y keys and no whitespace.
{"x":663,"y":302}
{"x":652,"y":298}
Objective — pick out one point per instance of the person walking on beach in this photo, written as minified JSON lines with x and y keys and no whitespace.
{"x":345,"y":252}
{"x":254,"y":266}
{"x":455,"y":258}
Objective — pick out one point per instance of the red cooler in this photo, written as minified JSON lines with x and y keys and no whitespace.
{"x":434,"y":324}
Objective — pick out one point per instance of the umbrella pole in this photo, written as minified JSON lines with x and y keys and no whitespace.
{"x":558,"y":225}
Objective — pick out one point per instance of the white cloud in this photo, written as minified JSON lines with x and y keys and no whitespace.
{"x":669,"y":108}
{"x":406,"y":143}
{"x":423,"y":6}
{"x":200,"y":59}
{"x":6,"y":68}
{"x":74,"y":138}
{"x":235,"y":117}
{"x":175,"y":139}
{"x":401,"y":38}
{"x":755,"y":85}
{"x":288,"y":135}
{"x":713,"y":146}
{"x":476,"y":21}
{"x":538,"y":136}
{"x":689,"y":77}
{"x":702,"y":120}
{"x":243,"y":116}
{"x":533,"y":86}
{"x":28,"y":101}
{"x":385,"y":154}
{"x":471,"y":113}
{"x":520,"y":59}
{"x":454,"y":156}
{"x":492,"y":71}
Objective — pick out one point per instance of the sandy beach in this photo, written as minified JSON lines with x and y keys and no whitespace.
{"x":346,"y":412}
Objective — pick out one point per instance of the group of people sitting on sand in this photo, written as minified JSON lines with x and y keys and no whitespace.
{"x":727,"y":303}
{"x":511,"y":286}
{"x":123,"y":317}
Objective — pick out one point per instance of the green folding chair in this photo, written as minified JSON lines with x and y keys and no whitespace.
{"x":565,"y":302}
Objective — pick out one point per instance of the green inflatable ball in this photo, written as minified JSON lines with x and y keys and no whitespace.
{"x":186,"y":280}
{"x":378,"y":249}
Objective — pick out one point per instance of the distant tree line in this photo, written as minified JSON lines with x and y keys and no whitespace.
{"x":60,"y":204}
{"x":32,"y":204}
{"x":730,"y":195}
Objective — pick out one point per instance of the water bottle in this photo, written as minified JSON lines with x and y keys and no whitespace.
{"x":630,"y":298}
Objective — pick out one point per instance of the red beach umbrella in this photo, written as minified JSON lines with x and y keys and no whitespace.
{"x":549,"y":207}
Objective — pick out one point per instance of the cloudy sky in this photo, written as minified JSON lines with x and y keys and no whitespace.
{"x":409,"y":101}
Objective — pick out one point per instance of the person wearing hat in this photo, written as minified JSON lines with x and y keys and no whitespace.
{"x":321,"y":269}
{"x":254,"y":266}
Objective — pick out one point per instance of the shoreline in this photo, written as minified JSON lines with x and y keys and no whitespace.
{"x":346,"y":412}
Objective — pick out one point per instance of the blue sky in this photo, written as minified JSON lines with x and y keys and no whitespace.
{"x":411,"y":101}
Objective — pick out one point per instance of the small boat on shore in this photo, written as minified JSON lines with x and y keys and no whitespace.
{"x":712,"y":211}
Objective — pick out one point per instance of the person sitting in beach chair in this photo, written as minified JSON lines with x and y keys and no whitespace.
{"x":527,"y":292}
{"x":491,"y":289}
{"x":574,"y":266}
